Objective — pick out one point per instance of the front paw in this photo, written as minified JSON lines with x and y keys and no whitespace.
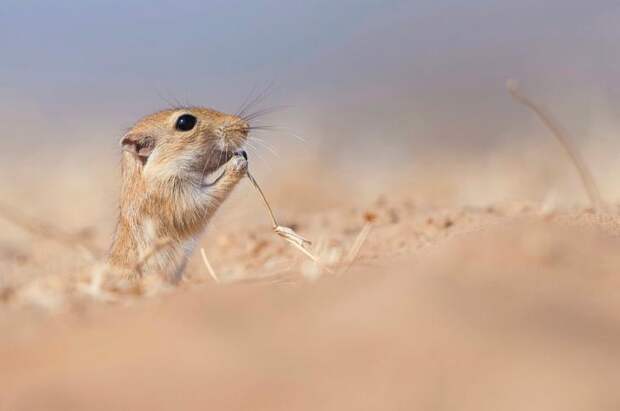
{"x":238,"y":164}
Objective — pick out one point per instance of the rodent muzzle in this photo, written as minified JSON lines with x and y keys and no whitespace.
{"x":238,"y":126}
{"x":234,"y":132}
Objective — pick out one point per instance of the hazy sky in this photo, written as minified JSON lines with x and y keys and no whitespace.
{"x":420,"y":70}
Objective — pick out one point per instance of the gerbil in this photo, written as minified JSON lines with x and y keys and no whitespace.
{"x":165,"y":195}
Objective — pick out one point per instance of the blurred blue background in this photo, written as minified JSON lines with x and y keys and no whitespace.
{"x":384,"y":74}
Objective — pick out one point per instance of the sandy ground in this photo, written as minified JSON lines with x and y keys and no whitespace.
{"x":507,"y":303}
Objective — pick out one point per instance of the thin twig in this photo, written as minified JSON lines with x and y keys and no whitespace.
{"x":285,"y":232}
{"x":274,"y":221}
{"x":210,"y":269}
{"x":357,"y":245}
{"x":562,"y":136}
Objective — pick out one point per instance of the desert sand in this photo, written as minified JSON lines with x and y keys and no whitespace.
{"x":474,"y":285}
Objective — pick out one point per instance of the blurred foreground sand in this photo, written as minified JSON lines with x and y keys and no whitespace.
{"x":501,"y":304}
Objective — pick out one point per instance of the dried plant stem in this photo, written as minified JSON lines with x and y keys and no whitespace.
{"x":48,"y":232}
{"x":285,"y":232}
{"x":262,"y":196}
{"x":210,"y":269}
{"x":357,"y":245}
{"x":562,"y":136}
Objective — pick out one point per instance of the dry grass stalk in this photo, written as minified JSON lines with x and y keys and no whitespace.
{"x":285,"y":232}
{"x":562,"y":136}
{"x":357,"y":246}
{"x":207,"y":264}
{"x":48,"y":232}
{"x":297,"y":240}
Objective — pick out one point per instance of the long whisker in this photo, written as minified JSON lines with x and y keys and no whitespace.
{"x":249,"y":144}
{"x":246,"y":102}
{"x":286,"y":131}
{"x":263,"y":143}
{"x":169,"y":102}
{"x":256,"y":151}
{"x":263,"y":112}
{"x":258,"y":99}
{"x":262,"y":128}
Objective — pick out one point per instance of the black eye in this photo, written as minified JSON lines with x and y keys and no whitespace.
{"x":185,"y":123}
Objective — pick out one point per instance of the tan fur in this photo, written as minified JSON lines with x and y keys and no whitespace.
{"x":165,"y":197}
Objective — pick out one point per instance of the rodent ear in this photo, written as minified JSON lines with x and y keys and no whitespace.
{"x":140,"y":145}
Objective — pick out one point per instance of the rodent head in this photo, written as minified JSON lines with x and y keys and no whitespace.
{"x":184,"y":142}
